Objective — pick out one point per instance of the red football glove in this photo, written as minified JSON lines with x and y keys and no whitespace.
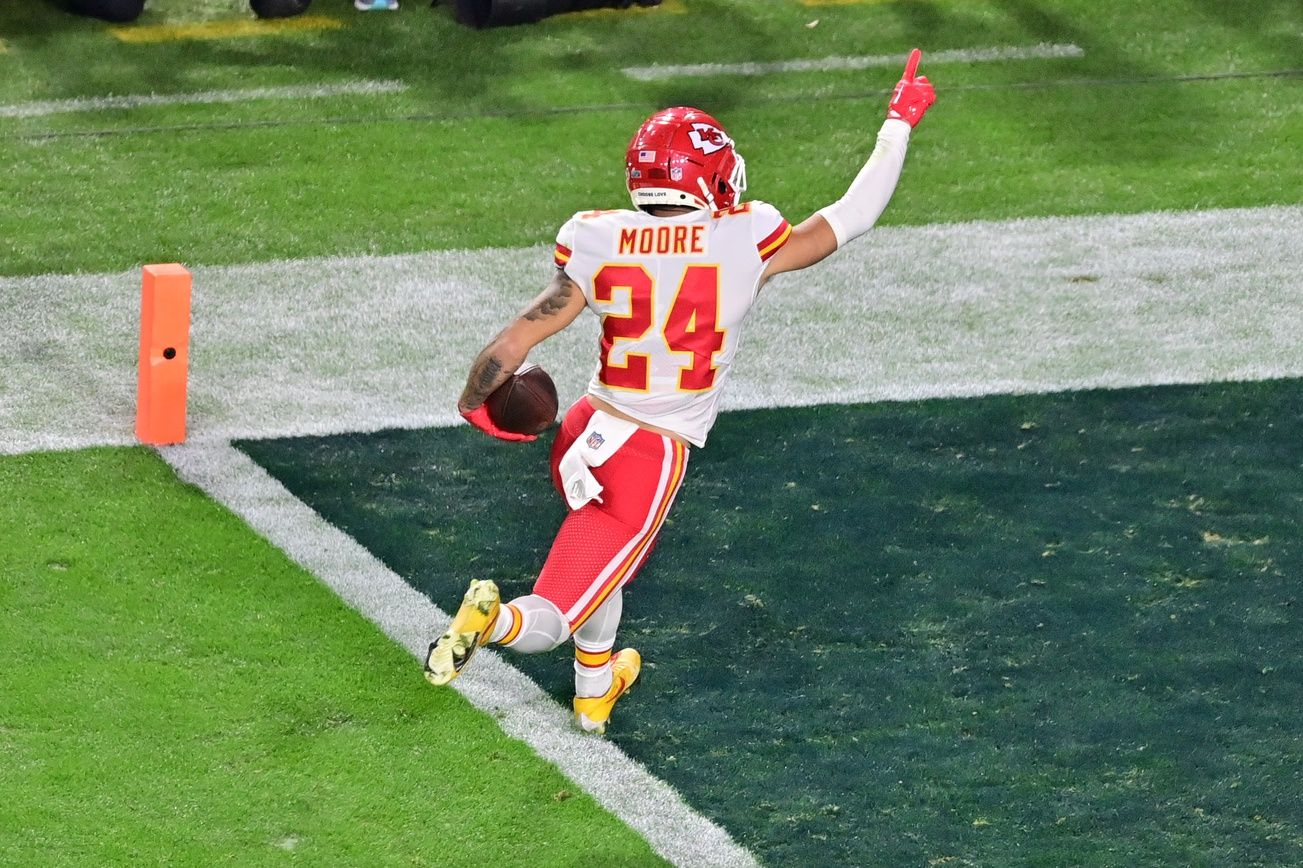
{"x":912,"y":96}
{"x":479,"y":417}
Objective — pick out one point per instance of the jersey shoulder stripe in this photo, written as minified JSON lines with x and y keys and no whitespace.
{"x":562,"y":255}
{"x":774,"y":241}
{"x":734,"y":211}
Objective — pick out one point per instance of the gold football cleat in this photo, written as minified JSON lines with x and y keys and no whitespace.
{"x":469,"y":629}
{"x":592,"y":712}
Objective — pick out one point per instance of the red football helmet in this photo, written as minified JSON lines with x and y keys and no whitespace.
{"x":682,"y":156}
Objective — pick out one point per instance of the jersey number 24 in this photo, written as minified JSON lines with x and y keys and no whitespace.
{"x":689,"y":328}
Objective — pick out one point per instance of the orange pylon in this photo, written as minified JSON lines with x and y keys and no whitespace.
{"x":164,"y":354}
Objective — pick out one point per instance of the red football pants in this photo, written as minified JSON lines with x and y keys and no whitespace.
{"x":601,"y":546}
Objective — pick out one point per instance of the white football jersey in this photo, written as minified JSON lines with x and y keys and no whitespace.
{"x":671,"y":293}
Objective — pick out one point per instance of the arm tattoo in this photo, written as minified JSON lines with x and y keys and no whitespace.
{"x":487,"y":373}
{"x":489,"y":369}
{"x":558,"y":295}
{"x":482,"y":380}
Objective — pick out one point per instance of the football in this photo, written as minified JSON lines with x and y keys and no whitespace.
{"x":526,"y":403}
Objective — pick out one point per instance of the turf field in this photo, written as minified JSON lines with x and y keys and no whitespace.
{"x":178,"y":691}
{"x":1053,"y":628}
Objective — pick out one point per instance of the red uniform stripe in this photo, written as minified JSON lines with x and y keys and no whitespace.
{"x":631,"y":562}
{"x":561,"y":256}
{"x":775,"y":241}
{"x":515,"y":626}
{"x":592,"y":659}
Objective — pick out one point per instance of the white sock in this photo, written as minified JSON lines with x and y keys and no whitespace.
{"x":508,"y":615}
{"x":596,"y":636}
{"x":592,"y":681}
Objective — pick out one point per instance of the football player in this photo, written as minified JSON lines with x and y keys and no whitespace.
{"x":672,"y":281}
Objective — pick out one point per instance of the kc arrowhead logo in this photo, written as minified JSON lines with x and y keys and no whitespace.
{"x":707,"y":139}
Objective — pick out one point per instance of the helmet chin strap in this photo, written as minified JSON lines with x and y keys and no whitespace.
{"x":705,"y":192}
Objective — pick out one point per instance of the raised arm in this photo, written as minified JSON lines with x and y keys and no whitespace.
{"x":855,"y":213}
{"x":554,"y":309}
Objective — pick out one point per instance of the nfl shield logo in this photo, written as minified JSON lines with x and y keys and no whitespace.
{"x":595,"y":440}
{"x":676,"y":174}
{"x":646,"y":156}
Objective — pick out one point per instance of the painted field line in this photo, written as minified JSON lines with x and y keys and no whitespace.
{"x":561,"y":111}
{"x":234,"y":29}
{"x":333,"y":345}
{"x":644,"y":802}
{"x":249,"y":94}
{"x":1041,"y":51}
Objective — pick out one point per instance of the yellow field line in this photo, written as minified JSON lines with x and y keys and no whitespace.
{"x":843,"y":2}
{"x":673,"y":6}
{"x":223,"y":29}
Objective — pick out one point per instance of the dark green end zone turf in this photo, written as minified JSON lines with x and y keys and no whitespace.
{"x":174,"y":691}
{"x":1017,"y":630}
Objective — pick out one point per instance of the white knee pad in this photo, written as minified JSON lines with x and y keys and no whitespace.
{"x":542,"y":626}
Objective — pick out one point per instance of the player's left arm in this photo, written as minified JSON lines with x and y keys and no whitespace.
{"x":555,"y":308}
{"x":855,"y":213}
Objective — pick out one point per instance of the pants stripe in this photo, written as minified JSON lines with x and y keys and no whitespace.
{"x":629,"y":560}
{"x":582,"y":602}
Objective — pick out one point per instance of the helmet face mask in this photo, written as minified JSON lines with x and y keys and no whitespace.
{"x":682,"y":156}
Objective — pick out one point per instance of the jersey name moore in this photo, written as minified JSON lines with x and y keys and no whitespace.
{"x":661,"y":240}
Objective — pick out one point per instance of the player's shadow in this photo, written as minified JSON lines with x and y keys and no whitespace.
{"x":449,"y":69}
{"x":1078,"y":116}
{"x":1271,"y":26}
{"x":39,"y":20}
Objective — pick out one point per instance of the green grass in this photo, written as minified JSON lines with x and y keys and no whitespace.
{"x":1037,"y":630}
{"x":176,"y":691}
{"x":426,"y":169}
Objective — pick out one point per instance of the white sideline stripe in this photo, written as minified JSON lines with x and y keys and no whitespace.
{"x":128,"y":101}
{"x":1040,"y":51}
{"x":345,"y":344}
{"x":644,"y":802}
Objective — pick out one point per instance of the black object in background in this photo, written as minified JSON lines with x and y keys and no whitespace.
{"x":126,"y":11}
{"x":279,"y":8}
{"x":501,"y":13}
{"x":117,"y":11}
